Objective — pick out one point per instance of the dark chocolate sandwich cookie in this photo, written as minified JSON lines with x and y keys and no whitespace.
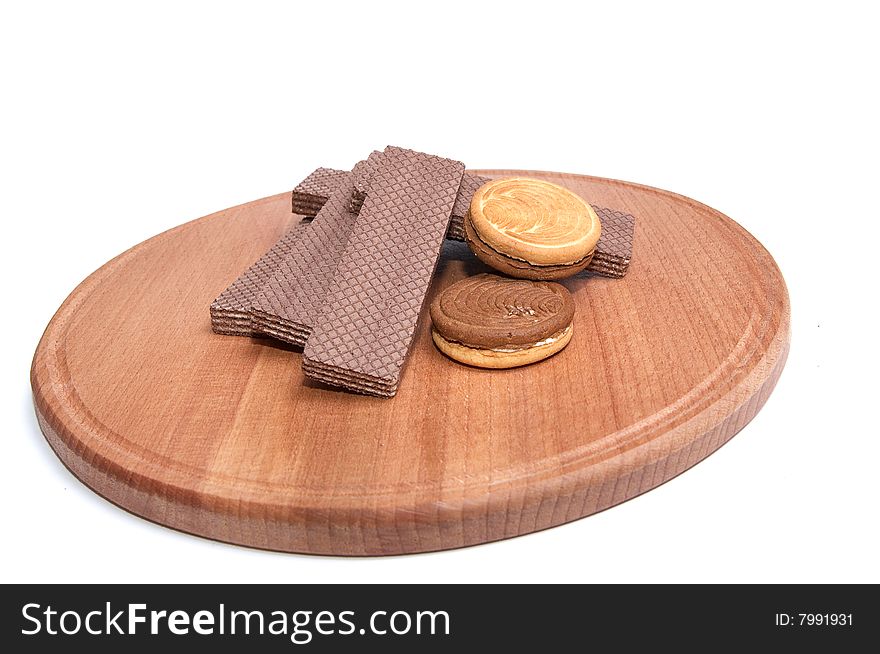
{"x":495,"y":322}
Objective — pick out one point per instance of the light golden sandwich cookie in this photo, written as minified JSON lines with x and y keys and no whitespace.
{"x":496,"y":322}
{"x":531,"y":229}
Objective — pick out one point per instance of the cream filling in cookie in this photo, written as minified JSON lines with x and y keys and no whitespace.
{"x":558,"y":336}
{"x":530,"y":263}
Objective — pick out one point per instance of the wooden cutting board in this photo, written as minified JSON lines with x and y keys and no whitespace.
{"x":222,"y":436}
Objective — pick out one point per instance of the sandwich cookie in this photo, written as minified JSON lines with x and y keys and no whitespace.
{"x":496,"y":322}
{"x":531,"y":229}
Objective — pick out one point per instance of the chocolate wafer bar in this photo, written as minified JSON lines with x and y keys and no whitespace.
{"x":361,"y":179}
{"x":469,"y":185}
{"x":313,"y":192}
{"x":367,"y":323}
{"x":230,"y":312}
{"x":291,"y":298}
{"x":613,"y":251}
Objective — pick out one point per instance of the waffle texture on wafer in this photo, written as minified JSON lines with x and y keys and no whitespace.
{"x":313,"y":192}
{"x":230,"y":312}
{"x":291,"y":298}
{"x":367,"y":323}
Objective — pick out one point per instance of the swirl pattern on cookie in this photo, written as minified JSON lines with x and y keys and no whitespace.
{"x":536,"y":221}
{"x":491,"y":312}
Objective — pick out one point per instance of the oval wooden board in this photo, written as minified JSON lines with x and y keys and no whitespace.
{"x":221,"y":436}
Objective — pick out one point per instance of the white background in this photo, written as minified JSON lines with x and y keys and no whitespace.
{"x":118,"y":123}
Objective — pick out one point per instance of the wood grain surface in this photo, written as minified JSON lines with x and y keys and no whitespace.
{"x":223,"y":437}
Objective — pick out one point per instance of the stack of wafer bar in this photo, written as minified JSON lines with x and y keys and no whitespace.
{"x":613,"y":251}
{"x":349,"y":285}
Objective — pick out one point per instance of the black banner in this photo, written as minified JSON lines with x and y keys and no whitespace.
{"x":435,"y":618}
